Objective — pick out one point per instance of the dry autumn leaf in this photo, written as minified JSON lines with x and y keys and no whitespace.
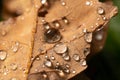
{"x":50,"y":39}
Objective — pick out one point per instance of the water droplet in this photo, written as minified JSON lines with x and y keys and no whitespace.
{"x":88,"y":3}
{"x":63,"y":3}
{"x":83,"y":62}
{"x":3,"y":55}
{"x":3,"y":32}
{"x":48,"y":63}
{"x":43,"y":1}
{"x":60,"y":48}
{"x":67,"y":71}
{"x":38,"y":58}
{"x":67,"y":65}
{"x":14,"y":66}
{"x":56,"y":24}
{"x":65,"y":20}
{"x":52,"y":35}
{"x":52,"y":57}
{"x":99,"y":36}
{"x":15,"y":47}
{"x":46,"y":26}
{"x":61,"y":73}
{"x":76,"y":57}
{"x":84,"y":30}
{"x":73,"y":71}
{"x":87,"y":51}
{"x":66,"y":57}
{"x":13,"y":79}
{"x":88,"y":37}
{"x":100,"y":10}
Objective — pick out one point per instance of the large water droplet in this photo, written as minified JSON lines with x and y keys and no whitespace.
{"x":3,"y":55}
{"x":52,"y":35}
{"x":60,"y":48}
{"x":88,"y":37}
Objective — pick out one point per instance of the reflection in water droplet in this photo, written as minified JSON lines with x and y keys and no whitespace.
{"x":3,"y":55}
{"x":52,"y":35}
{"x":88,"y":37}
{"x":60,"y":48}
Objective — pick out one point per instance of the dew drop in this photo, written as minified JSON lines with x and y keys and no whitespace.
{"x":73,"y":71}
{"x":15,"y":47}
{"x":14,"y":66}
{"x":88,"y":3}
{"x":87,"y":51}
{"x":76,"y":57}
{"x":3,"y":55}
{"x":60,"y":48}
{"x":52,"y":35}
{"x":66,"y":57}
{"x":3,"y":32}
{"x":100,"y":11}
{"x":67,"y":71}
{"x":83,"y":62}
{"x":48,"y":63}
{"x":88,"y":37}
{"x":61,"y":73}
{"x":46,"y":26}
{"x":13,"y":79}
{"x":56,"y":24}
{"x":65,"y":20}
{"x":43,"y":1}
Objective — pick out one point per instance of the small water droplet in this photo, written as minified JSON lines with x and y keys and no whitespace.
{"x":83,"y":62}
{"x":3,"y":55}
{"x":13,"y":79}
{"x":84,"y":30}
{"x":88,"y":3}
{"x":14,"y":66}
{"x":65,"y":20}
{"x":87,"y":51}
{"x":60,"y":48}
{"x":46,"y":26}
{"x":63,"y":3}
{"x":43,"y":1}
{"x":76,"y":57}
{"x":48,"y":63}
{"x":66,"y":57}
{"x":3,"y":32}
{"x":100,"y":11}
{"x":52,"y":35}
{"x":73,"y":71}
{"x":56,"y":24}
{"x":61,"y":73}
{"x":88,"y":37}
{"x":67,"y":71}
{"x":52,"y":57}
{"x":67,"y":65}
{"x":99,"y":36}
{"x":15,"y":47}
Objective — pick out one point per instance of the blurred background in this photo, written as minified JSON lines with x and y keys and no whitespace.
{"x":106,"y":64}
